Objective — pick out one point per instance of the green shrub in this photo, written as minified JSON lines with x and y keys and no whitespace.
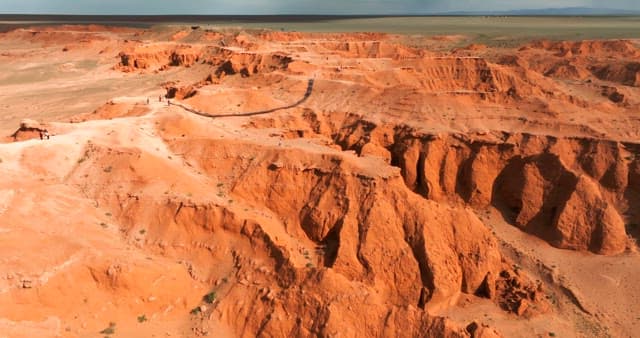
{"x":209,"y":297}
{"x":109,"y":330}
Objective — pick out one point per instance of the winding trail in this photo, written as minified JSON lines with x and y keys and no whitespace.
{"x":306,"y":96}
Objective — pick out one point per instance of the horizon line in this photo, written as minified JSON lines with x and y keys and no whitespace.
{"x":453,"y":13}
{"x":526,"y":11}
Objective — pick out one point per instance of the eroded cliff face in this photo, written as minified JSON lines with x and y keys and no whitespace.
{"x":327,"y":234}
{"x":572,"y":192}
{"x":576,"y":193}
{"x":157,"y":57}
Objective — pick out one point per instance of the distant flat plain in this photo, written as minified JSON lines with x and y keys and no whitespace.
{"x":484,"y":29}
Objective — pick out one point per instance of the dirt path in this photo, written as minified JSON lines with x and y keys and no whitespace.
{"x":306,"y":96}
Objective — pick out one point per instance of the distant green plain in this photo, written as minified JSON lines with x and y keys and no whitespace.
{"x":490,"y":30}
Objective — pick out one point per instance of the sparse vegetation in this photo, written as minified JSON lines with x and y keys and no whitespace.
{"x":307,"y":256}
{"x":111,"y":329}
{"x":108,"y":169}
{"x":104,"y":225}
{"x":84,"y":157}
{"x":196,"y":310}
{"x":142,"y":231}
{"x":209,"y":297}
{"x":142,"y":319}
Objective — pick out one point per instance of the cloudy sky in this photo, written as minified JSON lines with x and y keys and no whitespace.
{"x":291,"y":6}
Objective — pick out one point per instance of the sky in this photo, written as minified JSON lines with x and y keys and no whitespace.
{"x":222,"y":7}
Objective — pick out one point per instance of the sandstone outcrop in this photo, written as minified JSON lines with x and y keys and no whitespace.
{"x":157,"y":57}
{"x":571,"y":192}
{"x":29,"y":129}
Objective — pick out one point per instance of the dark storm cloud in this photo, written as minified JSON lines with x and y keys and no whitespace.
{"x":290,"y":6}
